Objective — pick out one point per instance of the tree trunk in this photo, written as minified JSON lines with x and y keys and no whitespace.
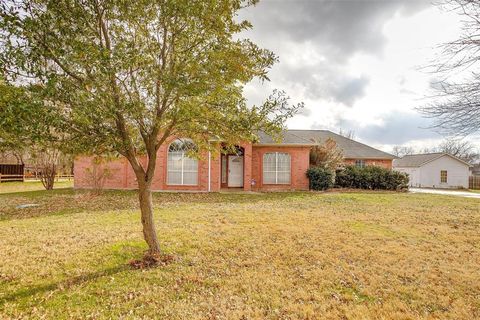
{"x":47,"y":176}
{"x":146,"y":208}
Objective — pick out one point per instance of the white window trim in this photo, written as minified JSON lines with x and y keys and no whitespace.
{"x":182,"y":171}
{"x":276,"y":169}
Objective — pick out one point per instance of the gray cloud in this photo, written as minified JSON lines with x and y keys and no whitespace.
{"x":350,"y":90}
{"x":339,"y":28}
{"x":335,"y":29}
{"x":398,"y":128}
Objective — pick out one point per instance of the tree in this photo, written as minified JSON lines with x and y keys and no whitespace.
{"x":128,"y":76}
{"x":326,"y":155}
{"x":459,"y":148}
{"x":350,"y":134}
{"x":401,"y":151}
{"x":456,"y":105}
{"x":27,"y":129}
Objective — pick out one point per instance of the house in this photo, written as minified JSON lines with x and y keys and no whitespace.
{"x":434,"y":170}
{"x":262,"y":166}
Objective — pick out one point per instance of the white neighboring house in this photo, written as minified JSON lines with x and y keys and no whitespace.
{"x":434,"y":170}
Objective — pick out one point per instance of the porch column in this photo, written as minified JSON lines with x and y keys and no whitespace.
{"x":247,"y":168}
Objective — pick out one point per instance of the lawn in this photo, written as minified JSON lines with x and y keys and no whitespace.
{"x":242,"y":256}
{"x":32,"y":185}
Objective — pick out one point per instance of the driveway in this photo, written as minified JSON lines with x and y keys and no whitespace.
{"x":464,"y":194}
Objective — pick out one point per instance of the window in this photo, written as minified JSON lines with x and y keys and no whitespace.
{"x":360,"y":163}
{"x":276,"y":168}
{"x":181,"y":169}
{"x":443,"y":176}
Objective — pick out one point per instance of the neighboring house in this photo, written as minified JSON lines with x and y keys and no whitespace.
{"x":265,"y":165}
{"x":434,"y":170}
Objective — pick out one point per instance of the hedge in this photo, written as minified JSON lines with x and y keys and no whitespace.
{"x":371,"y":177}
{"x":320,"y":178}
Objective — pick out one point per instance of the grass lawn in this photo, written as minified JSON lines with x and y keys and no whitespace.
{"x":31,"y":185}
{"x":369,"y":255}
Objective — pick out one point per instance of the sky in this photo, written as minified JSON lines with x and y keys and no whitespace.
{"x":356,"y":64}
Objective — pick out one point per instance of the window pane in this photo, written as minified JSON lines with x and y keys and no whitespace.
{"x":190,"y":178}
{"x":174,"y":161}
{"x":269,"y":177}
{"x":174,"y":178}
{"x":283,"y":178}
{"x":283,"y":168}
{"x":269,"y":162}
{"x":189,"y":164}
{"x":283,"y":162}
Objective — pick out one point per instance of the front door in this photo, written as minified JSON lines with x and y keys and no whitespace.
{"x":235,"y":171}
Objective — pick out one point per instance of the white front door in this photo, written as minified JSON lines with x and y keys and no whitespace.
{"x":235,"y":171}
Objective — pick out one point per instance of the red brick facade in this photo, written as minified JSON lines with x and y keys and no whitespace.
{"x":121,"y":176}
{"x":299,"y":159}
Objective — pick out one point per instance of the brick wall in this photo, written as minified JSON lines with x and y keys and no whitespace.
{"x":300,"y":161}
{"x":122,"y":175}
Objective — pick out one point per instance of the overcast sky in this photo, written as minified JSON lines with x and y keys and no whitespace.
{"x":354,"y":63}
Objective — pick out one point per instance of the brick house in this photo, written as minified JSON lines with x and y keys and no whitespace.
{"x":262,"y":166}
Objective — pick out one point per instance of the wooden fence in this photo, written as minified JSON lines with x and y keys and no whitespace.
{"x":14,"y":171}
{"x":30,"y":177}
{"x":474,"y":182}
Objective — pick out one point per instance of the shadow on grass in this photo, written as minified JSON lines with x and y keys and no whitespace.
{"x":38,"y":193}
{"x":31,"y":291}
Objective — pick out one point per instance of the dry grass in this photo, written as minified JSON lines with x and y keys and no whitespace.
{"x":266,"y":256}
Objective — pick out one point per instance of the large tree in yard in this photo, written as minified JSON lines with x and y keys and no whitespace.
{"x":130,"y":74}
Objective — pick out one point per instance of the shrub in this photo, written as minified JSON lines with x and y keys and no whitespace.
{"x":371,"y":177}
{"x":326,"y":155}
{"x":320,"y":178}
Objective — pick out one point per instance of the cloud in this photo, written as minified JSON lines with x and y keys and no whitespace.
{"x":315,"y":39}
{"x":351,"y":89}
{"x":341,"y":28}
{"x":394,"y":129}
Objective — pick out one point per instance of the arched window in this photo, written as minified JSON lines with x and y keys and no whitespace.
{"x":181,"y":169}
{"x":276,"y":168}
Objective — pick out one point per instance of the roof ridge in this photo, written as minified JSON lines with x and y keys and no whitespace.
{"x":423,"y":154}
{"x":342,"y":137}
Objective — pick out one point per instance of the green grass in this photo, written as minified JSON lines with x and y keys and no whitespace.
{"x":241,"y":256}
{"x":31,"y":185}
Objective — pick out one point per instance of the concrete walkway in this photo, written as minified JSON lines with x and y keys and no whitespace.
{"x":464,"y":194}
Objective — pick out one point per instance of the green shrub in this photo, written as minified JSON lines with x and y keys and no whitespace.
{"x":320,"y":178}
{"x":371,"y":177}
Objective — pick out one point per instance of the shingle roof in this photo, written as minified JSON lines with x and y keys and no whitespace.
{"x":351,"y":148}
{"x":418,"y":160}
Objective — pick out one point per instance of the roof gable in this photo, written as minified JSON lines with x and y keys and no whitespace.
{"x":418,"y":160}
